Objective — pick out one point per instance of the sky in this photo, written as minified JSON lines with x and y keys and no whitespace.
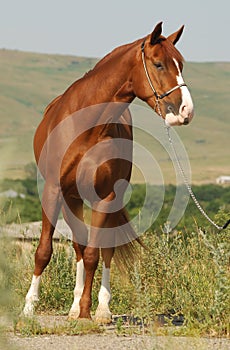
{"x":94,"y":28}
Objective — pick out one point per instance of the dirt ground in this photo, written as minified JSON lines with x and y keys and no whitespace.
{"x":108,"y":340}
{"x":113,"y":342}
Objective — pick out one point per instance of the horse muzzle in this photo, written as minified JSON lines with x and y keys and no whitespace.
{"x":173,"y":120}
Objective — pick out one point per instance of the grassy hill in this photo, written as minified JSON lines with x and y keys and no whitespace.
{"x":30,"y":81}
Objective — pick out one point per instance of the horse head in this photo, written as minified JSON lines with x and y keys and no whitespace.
{"x":160,"y":82}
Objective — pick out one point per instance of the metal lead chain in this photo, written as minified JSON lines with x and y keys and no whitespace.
{"x":189,"y":187}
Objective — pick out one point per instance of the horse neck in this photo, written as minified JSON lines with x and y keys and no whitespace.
{"x":113,"y":74}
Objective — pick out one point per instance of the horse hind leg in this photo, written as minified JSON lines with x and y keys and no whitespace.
{"x":124,"y":258}
{"x":103,"y":314}
{"x":51,"y":205}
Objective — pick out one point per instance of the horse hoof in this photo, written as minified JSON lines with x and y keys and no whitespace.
{"x":103,"y":317}
{"x":28,"y":311}
{"x":73,"y":316}
{"x":104,"y":320}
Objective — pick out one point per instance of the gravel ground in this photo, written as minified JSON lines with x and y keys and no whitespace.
{"x":113,"y":342}
{"x":108,"y":340}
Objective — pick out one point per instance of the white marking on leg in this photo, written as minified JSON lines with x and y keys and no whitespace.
{"x":103,"y":313}
{"x":32,"y":296}
{"x":104,"y":295}
{"x":80,"y":281}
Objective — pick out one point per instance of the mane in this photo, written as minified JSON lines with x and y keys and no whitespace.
{"x":120,"y":50}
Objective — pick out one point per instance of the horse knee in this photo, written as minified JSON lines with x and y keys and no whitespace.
{"x":91,"y":258}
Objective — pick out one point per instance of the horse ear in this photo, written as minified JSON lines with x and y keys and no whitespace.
{"x":176,"y":36}
{"x":156,"y":33}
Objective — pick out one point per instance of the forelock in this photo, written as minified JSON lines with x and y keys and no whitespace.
{"x":170,"y":50}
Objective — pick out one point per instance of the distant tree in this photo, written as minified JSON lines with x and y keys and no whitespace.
{"x":31,"y":170}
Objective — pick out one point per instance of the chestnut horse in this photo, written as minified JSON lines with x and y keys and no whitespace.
{"x":77,"y":153}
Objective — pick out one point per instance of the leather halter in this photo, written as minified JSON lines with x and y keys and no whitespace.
{"x":158,"y":97}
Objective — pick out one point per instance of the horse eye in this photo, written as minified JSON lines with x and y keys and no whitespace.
{"x":158,"y":65}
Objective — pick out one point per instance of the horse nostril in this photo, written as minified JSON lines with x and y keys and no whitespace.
{"x":186,"y":121}
{"x":183,"y":111}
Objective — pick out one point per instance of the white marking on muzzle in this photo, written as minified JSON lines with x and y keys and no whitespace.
{"x":186,"y":110}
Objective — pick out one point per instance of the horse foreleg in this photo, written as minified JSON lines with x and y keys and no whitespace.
{"x":103,"y":314}
{"x":50,"y":210}
{"x":73,"y":214}
{"x":90,"y":259}
{"x":100,"y":219}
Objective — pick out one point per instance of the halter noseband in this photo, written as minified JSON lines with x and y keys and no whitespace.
{"x":158,"y":97}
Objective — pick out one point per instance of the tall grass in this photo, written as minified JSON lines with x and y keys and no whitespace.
{"x":186,"y":273}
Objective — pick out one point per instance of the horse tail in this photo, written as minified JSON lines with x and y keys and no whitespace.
{"x":125,"y":255}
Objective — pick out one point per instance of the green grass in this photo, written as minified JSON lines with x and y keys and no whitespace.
{"x":184,"y":273}
{"x":32,"y":326}
{"x":30,"y":81}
